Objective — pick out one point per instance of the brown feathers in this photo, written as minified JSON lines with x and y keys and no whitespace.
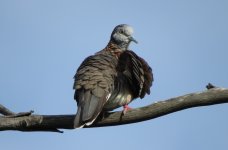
{"x":111,"y":78}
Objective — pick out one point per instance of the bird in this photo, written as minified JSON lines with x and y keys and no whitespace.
{"x":111,"y":78}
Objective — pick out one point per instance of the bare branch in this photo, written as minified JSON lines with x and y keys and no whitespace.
{"x":54,"y":122}
{"x":5,"y":111}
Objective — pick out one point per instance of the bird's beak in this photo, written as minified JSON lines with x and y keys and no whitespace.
{"x":133,"y":40}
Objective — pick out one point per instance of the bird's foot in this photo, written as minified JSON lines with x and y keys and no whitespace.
{"x":125,"y":109}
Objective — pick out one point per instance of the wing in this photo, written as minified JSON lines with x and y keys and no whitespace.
{"x":93,"y":85}
{"x":137,"y":71}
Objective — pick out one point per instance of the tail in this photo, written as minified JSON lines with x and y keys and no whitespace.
{"x":89,"y":107}
{"x":77,"y":121}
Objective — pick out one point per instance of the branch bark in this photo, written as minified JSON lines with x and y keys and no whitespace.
{"x":55,"y":122}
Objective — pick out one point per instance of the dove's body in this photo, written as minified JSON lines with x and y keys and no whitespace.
{"x":111,"y":78}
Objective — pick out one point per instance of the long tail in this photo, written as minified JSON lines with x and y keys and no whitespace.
{"x":89,"y":107}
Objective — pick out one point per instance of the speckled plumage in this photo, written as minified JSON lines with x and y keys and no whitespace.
{"x":110,"y":78}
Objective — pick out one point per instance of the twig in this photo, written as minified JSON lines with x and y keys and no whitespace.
{"x":5,"y":111}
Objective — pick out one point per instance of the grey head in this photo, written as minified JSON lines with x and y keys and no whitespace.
{"x":122,"y":36}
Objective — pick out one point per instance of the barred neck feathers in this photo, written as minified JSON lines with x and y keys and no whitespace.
{"x":113,"y":49}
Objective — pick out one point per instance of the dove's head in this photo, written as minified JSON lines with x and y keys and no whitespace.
{"x":122,"y":36}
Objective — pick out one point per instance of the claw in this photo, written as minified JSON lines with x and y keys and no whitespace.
{"x":125,"y":109}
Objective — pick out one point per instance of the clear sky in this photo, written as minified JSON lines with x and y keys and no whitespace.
{"x":42,"y":42}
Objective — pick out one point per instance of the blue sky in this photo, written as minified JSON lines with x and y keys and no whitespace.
{"x":43,"y":42}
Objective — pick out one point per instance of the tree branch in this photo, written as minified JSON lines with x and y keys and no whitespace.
{"x":54,"y":122}
{"x":5,"y":111}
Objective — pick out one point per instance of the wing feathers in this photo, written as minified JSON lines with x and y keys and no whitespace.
{"x":137,"y":72}
{"x":102,"y":74}
{"x":93,"y":81}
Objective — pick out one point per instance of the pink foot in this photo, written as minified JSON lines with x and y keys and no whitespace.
{"x":125,"y":109}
